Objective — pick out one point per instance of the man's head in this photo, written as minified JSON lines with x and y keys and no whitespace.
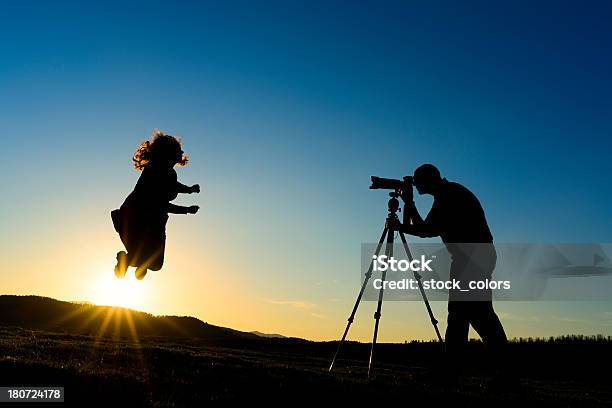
{"x":427,"y":179}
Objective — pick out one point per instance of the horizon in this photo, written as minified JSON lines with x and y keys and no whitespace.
{"x":107,"y":329}
{"x":286,"y":110}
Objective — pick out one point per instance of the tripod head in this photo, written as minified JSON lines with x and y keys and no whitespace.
{"x":393,"y":203}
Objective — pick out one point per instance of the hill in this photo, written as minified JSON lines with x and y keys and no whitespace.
{"x":272,"y":335}
{"x":42,"y":313}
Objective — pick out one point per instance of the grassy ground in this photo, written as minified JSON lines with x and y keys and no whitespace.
{"x":165,"y":372}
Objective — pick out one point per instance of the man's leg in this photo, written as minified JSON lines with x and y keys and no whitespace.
{"x":457,"y":328}
{"x":488,"y":326}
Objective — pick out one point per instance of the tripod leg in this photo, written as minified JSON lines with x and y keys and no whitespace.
{"x":363,"y":286}
{"x":389,"y":253}
{"x":417,"y":276}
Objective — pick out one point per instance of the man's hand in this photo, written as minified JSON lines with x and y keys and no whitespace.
{"x":410,"y":209}
{"x":195,"y":188}
{"x":405,"y":195}
{"x":193,"y":209}
{"x":394,"y":224}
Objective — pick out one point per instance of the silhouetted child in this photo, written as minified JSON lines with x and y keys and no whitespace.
{"x":141,"y":220}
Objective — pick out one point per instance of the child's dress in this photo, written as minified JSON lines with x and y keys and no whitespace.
{"x":141,"y":220}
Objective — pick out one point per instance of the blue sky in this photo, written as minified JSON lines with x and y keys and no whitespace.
{"x":286,"y":109}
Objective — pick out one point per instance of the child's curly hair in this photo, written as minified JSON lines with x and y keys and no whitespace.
{"x":161,"y":147}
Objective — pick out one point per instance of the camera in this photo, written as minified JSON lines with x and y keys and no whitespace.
{"x":392,"y":184}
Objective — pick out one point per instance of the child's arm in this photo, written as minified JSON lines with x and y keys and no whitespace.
{"x":181,"y":188}
{"x":180,"y":209}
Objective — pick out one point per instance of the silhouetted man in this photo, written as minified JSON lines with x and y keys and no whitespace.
{"x":458,"y":218}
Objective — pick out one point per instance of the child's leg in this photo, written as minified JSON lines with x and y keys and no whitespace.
{"x":141,"y":272}
{"x":122,"y":264}
{"x":133,"y":258}
{"x":156,"y":245}
{"x":158,"y":260}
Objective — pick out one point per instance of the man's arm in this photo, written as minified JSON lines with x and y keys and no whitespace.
{"x":415,"y":225}
{"x":411,"y":215}
{"x":423,"y":230}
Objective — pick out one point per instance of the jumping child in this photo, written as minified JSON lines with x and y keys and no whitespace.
{"x":141,"y":220}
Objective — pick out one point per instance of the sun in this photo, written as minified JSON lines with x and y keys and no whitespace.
{"x":127,"y":292}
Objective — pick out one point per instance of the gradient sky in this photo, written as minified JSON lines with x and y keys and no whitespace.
{"x":286,"y":108}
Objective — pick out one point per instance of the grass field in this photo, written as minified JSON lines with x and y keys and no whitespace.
{"x":103,"y":355}
{"x":168,"y":372}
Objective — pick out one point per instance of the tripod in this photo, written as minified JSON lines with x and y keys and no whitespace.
{"x":388,"y":233}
